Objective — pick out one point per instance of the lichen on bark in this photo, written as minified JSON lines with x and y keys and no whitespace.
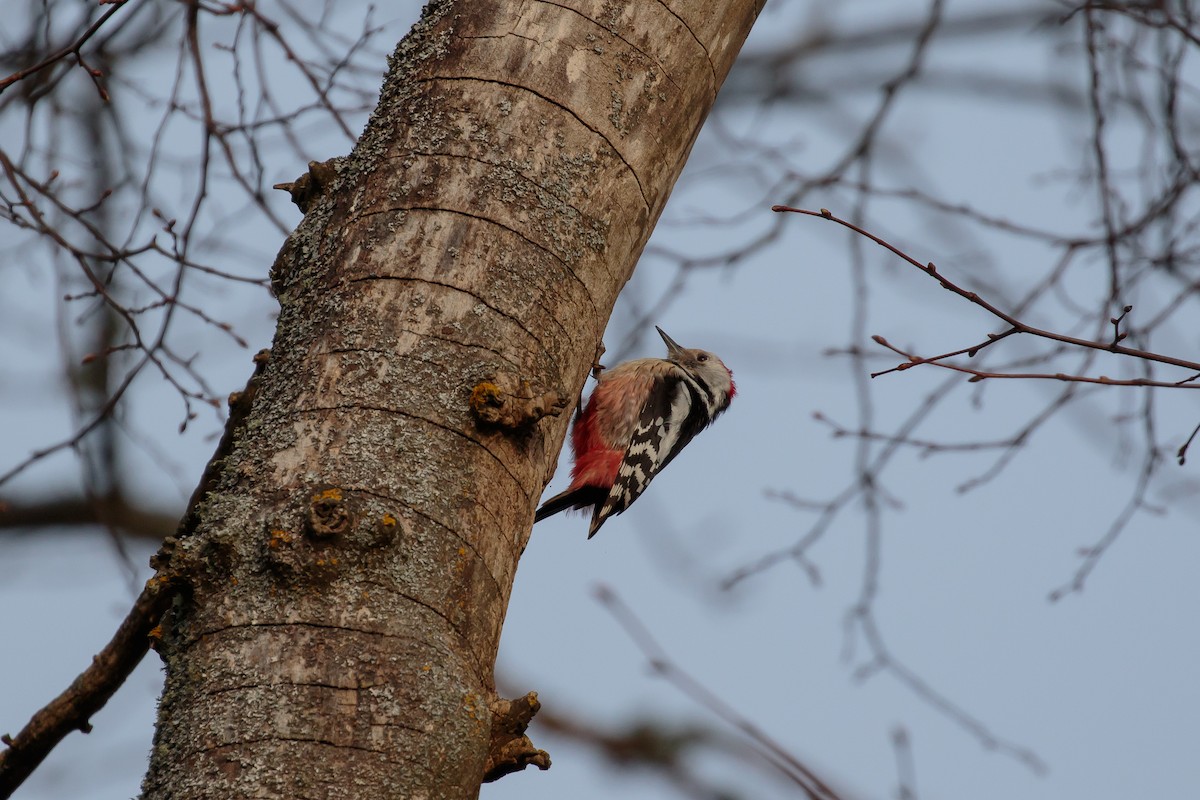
{"x":351,"y":564}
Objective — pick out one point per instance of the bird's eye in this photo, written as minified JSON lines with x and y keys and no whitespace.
{"x":702,"y":357}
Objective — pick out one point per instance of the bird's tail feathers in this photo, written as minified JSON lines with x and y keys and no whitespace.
{"x":582,"y":497}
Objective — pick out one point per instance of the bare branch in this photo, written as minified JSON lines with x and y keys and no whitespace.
{"x":1020,"y":327}
{"x":111,"y":511}
{"x":88,"y":693}
{"x":979,"y":375}
{"x":787,"y":763}
{"x":75,"y":48}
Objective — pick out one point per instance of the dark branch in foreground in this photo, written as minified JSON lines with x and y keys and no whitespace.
{"x":88,"y":693}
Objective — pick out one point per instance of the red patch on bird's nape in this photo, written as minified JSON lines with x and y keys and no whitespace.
{"x":732,"y":385}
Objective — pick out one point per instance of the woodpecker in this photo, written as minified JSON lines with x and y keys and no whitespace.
{"x":640,"y":415}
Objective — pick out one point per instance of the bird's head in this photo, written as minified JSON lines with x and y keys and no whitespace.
{"x":705,"y":367}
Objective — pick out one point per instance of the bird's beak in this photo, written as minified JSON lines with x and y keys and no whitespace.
{"x":673,"y":348}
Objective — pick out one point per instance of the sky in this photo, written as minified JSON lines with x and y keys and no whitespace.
{"x":1098,"y":688}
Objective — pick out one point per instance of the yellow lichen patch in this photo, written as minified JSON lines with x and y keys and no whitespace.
{"x":279,"y":538}
{"x":484,"y":395}
{"x":388,"y":520}
{"x":333,"y":493}
{"x":471,"y":704}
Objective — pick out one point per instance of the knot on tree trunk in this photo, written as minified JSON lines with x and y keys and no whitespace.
{"x":511,"y":750}
{"x":309,"y":187}
{"x":328,"y":515}
{"x":510,"y":403}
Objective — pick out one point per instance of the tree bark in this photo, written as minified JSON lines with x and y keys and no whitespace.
{"x":350,"y":565}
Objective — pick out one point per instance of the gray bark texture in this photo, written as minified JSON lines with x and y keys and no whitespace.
{"x":349,"y":566}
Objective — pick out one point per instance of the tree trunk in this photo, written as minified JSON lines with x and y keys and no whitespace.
{"x":349,"y":569}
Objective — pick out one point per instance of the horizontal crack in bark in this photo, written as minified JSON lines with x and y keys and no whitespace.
{"x":618,"y":36}
{"x":242,"y":687}
{"x":419,"y":418}
{"x":633,"y":173}
{"x":435,"y":209}
{"x":303,"y":740}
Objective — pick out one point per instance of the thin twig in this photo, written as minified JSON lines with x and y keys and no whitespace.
{"x":1181,"y":454}
{"x":929,"y":269}
{"x":787,"y":763}
{"x":906,"y":767}
{"x":979,"y":375}
{"x":74,"y":48}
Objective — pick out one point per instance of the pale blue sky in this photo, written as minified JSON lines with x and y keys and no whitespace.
{"x":1100,"y":686}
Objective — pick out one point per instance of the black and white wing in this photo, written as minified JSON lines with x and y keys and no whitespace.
{"x":673,"y":414}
